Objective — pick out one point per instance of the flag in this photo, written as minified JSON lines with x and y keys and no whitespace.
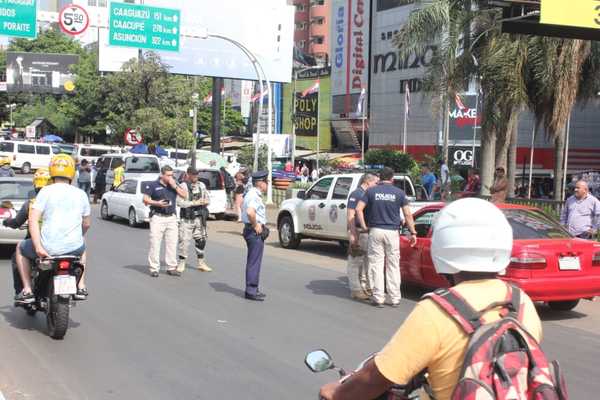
{"x":257,"y":96}
{"x":459,"y":102}
{"x":208,"y":98}
{"x":313,"y":89}
{"x":406,"y":100}
{"x":360,"y":107}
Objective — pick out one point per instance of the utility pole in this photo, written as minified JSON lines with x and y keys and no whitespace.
{"x":215,"y":145}
{"x":195,"y":100}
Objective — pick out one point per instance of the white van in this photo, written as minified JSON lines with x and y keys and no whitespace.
{"x":136,"y":165}
{"x":92,"y":152}
{"x":26,"y":156}
{"x":215,"y":183}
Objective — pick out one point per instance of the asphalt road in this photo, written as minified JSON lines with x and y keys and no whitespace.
{"x":195,"y":337}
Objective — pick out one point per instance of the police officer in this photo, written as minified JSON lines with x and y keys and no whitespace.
{"x":161,"y":196}
{"x":254,"y":217}
{"x":192,"y":222}
{"x":383,"y":204}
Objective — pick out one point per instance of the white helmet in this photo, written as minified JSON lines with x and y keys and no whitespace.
{"x":471,"y":235}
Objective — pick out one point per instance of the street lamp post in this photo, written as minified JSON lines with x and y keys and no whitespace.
{"x":11,"y":107}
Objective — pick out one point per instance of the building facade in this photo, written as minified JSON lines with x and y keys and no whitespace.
{"x":311,"y":34}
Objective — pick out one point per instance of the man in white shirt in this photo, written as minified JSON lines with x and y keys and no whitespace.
{"x":58,"y":220}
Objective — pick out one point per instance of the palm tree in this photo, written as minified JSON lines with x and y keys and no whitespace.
{"x":556,"y":67}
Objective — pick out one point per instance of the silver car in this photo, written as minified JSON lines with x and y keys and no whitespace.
{"x":17,"y":191}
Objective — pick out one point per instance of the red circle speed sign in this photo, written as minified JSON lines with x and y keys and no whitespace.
{"x":134,"y":137}
{"x":73,"y":19}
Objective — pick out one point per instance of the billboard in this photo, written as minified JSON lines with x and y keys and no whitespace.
{"x":349,"y":53}
{"x":39,"y":72}
{"x":266,"y":28}
{"x":306,"y":114}
{"x":465,"y":119}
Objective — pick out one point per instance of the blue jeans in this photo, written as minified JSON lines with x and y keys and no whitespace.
{"x":28,"y":251}
{"x":86,"y":187}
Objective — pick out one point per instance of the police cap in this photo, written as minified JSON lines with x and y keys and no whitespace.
{"x":260,"y":176}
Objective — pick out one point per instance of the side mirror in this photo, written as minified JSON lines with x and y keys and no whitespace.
{"x":301,"y":194}
{"x":319,"y":361}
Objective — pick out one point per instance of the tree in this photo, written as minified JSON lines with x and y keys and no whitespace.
{"x":246,"y":156}
{"x":397,"y":160}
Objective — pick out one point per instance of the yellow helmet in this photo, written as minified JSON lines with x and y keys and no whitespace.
{"x":62,"y":166}
{"x":4,"y":161}
{"x":41,"y":178}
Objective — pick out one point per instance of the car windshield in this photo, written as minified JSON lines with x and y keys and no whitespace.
{"x":533,"y":224}
{"x":402,"y":183}
{"x":15,"y":190}
{"x":211,"y":179}
{"x":141,"y":164}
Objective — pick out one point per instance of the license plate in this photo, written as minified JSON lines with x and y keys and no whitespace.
{"x":65,"y":284}
{"x":569,"y":264}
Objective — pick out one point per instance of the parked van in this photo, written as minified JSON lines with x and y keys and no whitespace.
{"x":136,"y":165}
{"x":92,"y":152}
{"x":26,"y":156}
{"x":215,"y":183}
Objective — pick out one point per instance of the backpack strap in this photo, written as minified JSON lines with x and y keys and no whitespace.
{"x":457,"y":308}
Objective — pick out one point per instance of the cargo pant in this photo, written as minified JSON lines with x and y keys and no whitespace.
{"x":163,"y":227}
{"x":358,"y":266}
{"x":384,"y":255}
{"x":191,"y":229}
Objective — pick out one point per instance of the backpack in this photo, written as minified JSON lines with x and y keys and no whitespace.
{"x":229,"y":181}
{"x":503,"y":361}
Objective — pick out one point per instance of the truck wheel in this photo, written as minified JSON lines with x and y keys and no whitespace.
{"x":287,"y":237}
{"x":567,"y":305}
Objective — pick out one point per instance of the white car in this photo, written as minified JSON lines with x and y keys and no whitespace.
{"x":214,"y":182}
{"x":320,"y":212}
{"x":126,"y":201}
{"x":17,"y":191}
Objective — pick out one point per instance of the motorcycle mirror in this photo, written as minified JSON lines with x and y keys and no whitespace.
{"x":319,"y":361}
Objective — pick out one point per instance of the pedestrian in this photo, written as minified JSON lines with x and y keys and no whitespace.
{"x":5,"y":170}
{"x":238,"y":193}
{"x":161,"y":195}
{"x":192,"y":222}
{"x":500,"y":187}
{"x":358,"y":277}
{"x":382,"y":205}
{"x":289,"y":167}
{"x":580,"y":212}
{"x":473,"y":181}
{"x":109,"y":179}
{"x":304,"y":175}
{"x":255,"y":233}
{"x":229,"y":186}
{"x":314,"y":175}
{"x":99,"y":184}
{"x":84,"y":179}
{"x":428,"y":180}
{"x":444,"y":180}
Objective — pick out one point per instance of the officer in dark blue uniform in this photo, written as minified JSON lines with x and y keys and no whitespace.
{"x":255,"y":233}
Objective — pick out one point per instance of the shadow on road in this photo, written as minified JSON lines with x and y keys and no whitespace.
{"x":18,"y":319}
{"x":139,"y":268}
{"x":336,"y":288}
{"x":548,"y":314}
{"x":225,"y":288}
{"x":329,"y":249}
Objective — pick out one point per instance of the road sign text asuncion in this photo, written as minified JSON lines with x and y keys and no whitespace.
{"x":144,"y":27}
{"x":18,"y":18}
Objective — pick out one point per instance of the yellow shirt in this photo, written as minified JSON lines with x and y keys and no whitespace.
{"x":119,"y":175}
{"x":431,"y":339}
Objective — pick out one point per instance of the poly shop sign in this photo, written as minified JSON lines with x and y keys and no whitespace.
{"x":578,"y":13}
{"x":307,"y":114}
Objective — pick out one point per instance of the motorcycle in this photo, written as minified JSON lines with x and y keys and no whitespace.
{"x":54,"y":282}
{"x":320,"y":361}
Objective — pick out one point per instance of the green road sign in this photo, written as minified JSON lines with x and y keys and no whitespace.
{"x":18,"y":18}
{"x":144,"y":27}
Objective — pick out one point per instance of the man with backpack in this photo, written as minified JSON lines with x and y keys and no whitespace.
{"x":477,"y":340}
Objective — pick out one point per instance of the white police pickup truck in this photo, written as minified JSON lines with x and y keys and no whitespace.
{"x":320,"y":212}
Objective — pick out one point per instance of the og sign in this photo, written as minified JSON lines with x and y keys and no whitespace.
{"x":73,"y":19}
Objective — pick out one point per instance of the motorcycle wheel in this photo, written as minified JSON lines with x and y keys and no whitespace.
{"x":57,"y":317}
{"x":31,"y":312}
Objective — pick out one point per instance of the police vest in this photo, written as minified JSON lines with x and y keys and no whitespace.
{"x":195,"y":192}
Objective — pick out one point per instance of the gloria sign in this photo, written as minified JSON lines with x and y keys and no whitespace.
{"x":580,"y":13}
{"x":306,"y":114}
{"x":144,"y":27}
{"x":350,"y":58}
{"x":18,"y":18}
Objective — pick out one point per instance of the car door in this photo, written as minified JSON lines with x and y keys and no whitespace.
{"x":25,"y":155}
{"x":430,"y":276}
{"x":413,"y":258}
{"x":312,"y":211}
{"x":43,"y":156}
{"x":129,"y":195}
{"x":337,"y":207}
{"x":120,"y":199}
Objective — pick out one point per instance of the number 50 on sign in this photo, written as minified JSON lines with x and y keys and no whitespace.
{"x":578,"y":13}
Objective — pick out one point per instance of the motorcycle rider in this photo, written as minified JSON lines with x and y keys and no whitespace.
{"x":41,"y":178}
{"x":63,"y":211}
{"x":5,"y":170}
{"x":471,"y":244}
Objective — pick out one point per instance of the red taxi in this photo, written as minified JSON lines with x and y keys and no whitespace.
{"x":547,"y":262}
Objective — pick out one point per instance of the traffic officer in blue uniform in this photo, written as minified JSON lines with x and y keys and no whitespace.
{"x":255,"y":233}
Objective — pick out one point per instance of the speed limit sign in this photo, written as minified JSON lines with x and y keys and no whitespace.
{"x":73,"y":19}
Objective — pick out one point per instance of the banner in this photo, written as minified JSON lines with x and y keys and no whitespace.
{"x":39,"y":72}
{"x":464,"y":118}
{"x":580,"y":13}
{"x":306,"y":113}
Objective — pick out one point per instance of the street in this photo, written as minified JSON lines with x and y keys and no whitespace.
{"x":195,"y":337}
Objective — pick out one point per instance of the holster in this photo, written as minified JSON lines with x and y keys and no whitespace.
{"x":265,"y":233}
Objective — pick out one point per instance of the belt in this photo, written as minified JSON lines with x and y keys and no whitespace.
{"x":163,"y":214}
